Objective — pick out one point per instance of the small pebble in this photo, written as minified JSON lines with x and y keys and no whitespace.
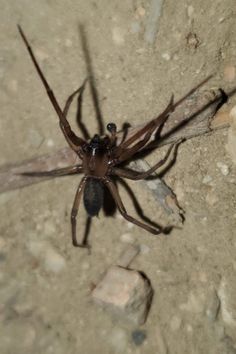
{"x":68,"y":43}
{"x":207,"y":179}
{"x":211,"y":198}
{"x":190,"y":11}
{"x":125,"y":293}
{"x":192,"y":40}
{"x":229,"y":73}
{"x":127,"y":238}
{"x":144,"y":249}
{"x":222,"y":118}
{"x":50,"y":143}
{"x":166,"y":56}
{"x":53,"y":261}
{"x":232,"y":113}
{"x":224,"y":169}
{"x":228,"y":303}
{"x":139,"y":337}
{"x":41,"y":54}
{"x":130,"y":225}
{"x":213,"y":306}
{"x":35,"y":138}
{"x":140,"y":11}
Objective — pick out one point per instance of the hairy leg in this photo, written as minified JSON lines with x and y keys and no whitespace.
{"x":74,"y":213}
{"x":136,"y":175}
{"x":74,"y":141}
{"x":123,"y":211}
{"x":58,"y":172}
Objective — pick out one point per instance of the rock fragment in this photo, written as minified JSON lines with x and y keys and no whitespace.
{"x":125,"y":293}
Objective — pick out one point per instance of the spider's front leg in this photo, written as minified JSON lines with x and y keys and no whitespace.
{"x":136,"y":175}
{"x":73,"y":140}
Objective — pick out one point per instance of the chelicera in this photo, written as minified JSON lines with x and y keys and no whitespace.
{"x":102,"y":158}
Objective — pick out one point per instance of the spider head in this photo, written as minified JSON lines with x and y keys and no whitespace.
{"x":95,"y":142}
{"x":96,"y":146}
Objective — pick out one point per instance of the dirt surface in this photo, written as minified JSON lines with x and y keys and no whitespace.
{"x":46,"y":284}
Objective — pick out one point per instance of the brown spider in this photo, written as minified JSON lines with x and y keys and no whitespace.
{"x":100,"y":156}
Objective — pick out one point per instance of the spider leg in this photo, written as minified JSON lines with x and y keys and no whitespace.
{"x":148,"y":129}
{"x":126,"y":154}
{"x":74,"y":141}
{"x":58,"y":172}
{"x":81,"y":125}
{"x":122,"y":210}
{"x":74,"y":213}
{"x":69,"y":100}
{"x":136,"y":175}
{"x":153,"y":124}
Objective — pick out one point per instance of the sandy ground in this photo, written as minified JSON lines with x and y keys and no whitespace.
{"x":45,"y":283}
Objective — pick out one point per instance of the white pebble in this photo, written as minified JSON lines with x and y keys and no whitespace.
{"x":190,"y":11}
{"x":68,"y":43}
{"x":35,"y":138}
{"x":140,"y":11}
{"x":50,"y":143}
{"x":130,"y":225}
{"x":53,"y":261}
{"x":127,"y":238}
{"x":229,"y":73}
{"x":224,"y":169}
{"x":227,"y":303}
{"x":144,"y":249}
{"x":36,"y":248}
{"x":151,"y":185}
{"x":166,"y":56}
{"x":85,"y":265}
{"x":207,"y":179}
{"x":232,"y":113}
{"x":211,"y":198}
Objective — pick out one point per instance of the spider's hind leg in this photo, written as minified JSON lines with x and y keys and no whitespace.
{"x":120,"y":205}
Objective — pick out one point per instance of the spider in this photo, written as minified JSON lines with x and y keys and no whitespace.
{"x":102,"y":158}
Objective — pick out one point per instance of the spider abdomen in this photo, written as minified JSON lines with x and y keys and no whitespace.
{"x":93,"y":196}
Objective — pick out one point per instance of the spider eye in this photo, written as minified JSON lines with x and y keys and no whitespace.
{"x":111,"y":127}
